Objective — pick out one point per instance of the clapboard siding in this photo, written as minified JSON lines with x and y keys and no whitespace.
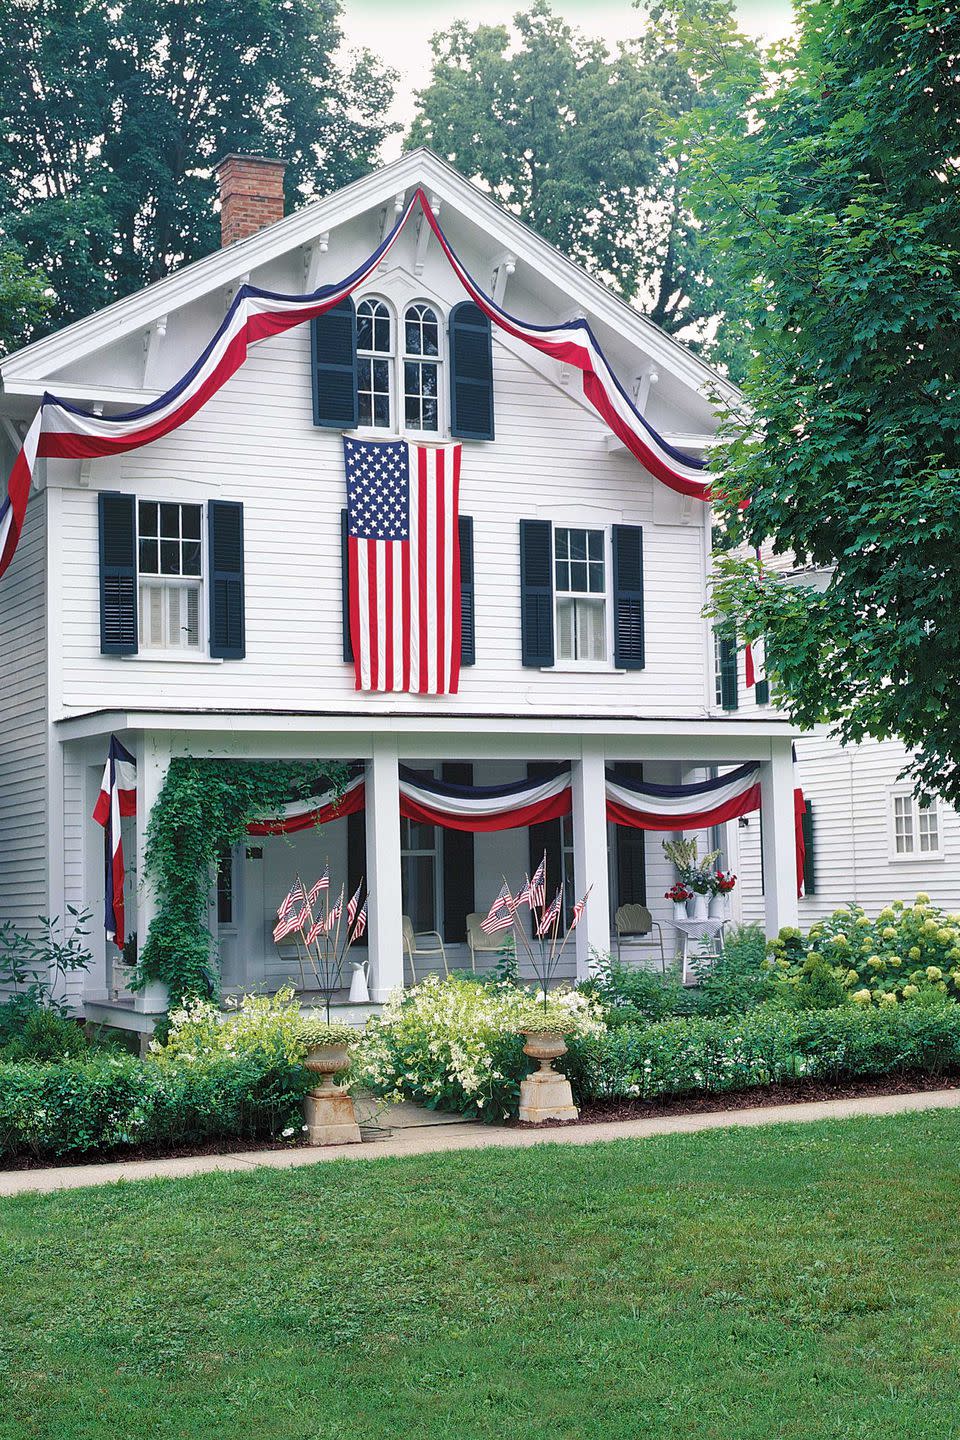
{"x":849,"y":789}
{"x":255,"y":442}
{"x":23,"y":725}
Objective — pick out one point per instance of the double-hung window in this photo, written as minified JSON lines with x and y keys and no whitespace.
{"x":580,"y":582}
{"x":170,"y":569}
{"x":375,"y":364}
{"x":915,"y":830}
{"x":421,"y":368}
{"x":418,"y":873}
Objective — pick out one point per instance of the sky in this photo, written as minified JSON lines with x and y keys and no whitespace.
{"x":400,"y":32}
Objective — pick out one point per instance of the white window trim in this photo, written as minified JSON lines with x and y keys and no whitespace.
{"x":584,"y":667}
{"x":199,"y":654}
{"x":397,"y":429}
{"x":390,"y":430}
{"x":917,"y":856}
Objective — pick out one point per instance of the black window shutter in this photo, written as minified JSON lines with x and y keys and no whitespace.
{"x":471,"y":373}
{"x":809,"y":857}
{"x":345,"y":592}
{"x":628,"y":653}
{"x":357,"y":857}
{"x":536,"y":592}
{"x":729,"y":695}
{"x":333,"y":365}
{"x":547,"y":836}
{"x":762,"y":689}
{"x":118,"y":574}
{"x":459,"y":899}
{"x":468,"y":638}
{"x":227,"y":622}
{"x":631,"y":853}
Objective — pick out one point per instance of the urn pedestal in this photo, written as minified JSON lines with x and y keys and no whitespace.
{"x":328,"y":1110}
{"x":545,"y":1095}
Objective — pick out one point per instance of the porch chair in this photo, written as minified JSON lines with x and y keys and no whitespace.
{"x":479,"y":941}
{"x":635,"y":923}
{"x":412,"y":945}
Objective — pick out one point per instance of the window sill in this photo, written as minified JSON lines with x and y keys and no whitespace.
{"x":172,"y":657}
{"x":417,"y":437}
{"x":586,"y":667}
{"x":935,"y":855}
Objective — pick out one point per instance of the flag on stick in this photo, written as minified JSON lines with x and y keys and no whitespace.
{"x":322,"y":884}
{"x":551,"y":916}
{"x":500,"y":914}
{"x":118,"y":797}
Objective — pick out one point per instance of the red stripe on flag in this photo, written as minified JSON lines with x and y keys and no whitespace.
{"x":423,"y":560}
{"x":455,"y":638}
{"x":373,"y":648}
{"x":388,"y":617}
{"x":354,"y":603}
{"x":405,"y":603}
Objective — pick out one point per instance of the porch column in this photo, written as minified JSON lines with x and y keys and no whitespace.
{"x":779,"y":839}
{"x":590,"y":853}
{"x":153,"y":759}
{"x":385,"y":906}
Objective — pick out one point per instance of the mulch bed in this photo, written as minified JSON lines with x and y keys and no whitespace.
{"x":797,"y":1092}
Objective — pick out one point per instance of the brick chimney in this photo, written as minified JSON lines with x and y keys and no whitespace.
{"x":251,"y":195}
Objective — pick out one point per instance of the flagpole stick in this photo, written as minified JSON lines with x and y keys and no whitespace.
{"x":518,"y":929}
{"x":573,"y":923}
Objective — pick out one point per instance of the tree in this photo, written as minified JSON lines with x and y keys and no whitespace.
{"x":25,"y":298}
{"x":113,"y":114}
{"x":570,"y":137}
{"x":833,"y":199}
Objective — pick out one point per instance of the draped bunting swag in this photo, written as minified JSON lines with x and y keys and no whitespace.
{"x":64,"y":430}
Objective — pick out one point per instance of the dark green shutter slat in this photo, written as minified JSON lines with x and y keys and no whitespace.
{"x":471,"y":373}
{"x":809,"y":858}
{"x":227,"y":620}
{"x":345,"y":591}
{"x":459,"y":898}
{"x":631,"y":853}
{"x":468,"y":639}
{"x":117,"y":515}
{"x":536,"y":592}
{"x":628,"y":644}
{"x":729,"y":694}
{"x":333,"y":366}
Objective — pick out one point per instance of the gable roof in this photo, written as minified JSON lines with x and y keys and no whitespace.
{"x":35,"y":364}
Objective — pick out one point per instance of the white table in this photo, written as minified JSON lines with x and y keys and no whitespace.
{"x":710,"y":929}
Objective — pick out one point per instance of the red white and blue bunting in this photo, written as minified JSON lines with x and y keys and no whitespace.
{"x":66,"y":431}
{"x":530,"y":802}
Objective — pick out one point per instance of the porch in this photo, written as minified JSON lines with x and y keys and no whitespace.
{"x":430,"y":878}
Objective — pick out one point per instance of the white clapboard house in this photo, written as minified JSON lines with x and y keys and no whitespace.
{"x":189,"y":596}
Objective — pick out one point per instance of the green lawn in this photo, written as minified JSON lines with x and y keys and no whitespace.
{"x":800,"y":1282}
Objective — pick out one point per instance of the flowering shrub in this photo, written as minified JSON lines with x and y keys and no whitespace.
{"x":268,"y":1026}
{"x":907,"y":951}
{"x":456,"y":1044}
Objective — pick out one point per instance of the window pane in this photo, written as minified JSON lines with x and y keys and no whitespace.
{"x":428,"y":379}
{"x":596,"y":544}
{"x":381,"y":332}
{"x":169,"y":557}
{"x":411,"y":411}
{"x":381,"y":411}
{"x":381,"y":375}
{"x":149,"y":557}
{"x":364,"y":327}
{"x":562,"y":542}
{"x":597,"y":586}
{"x":565,"y":624}
{"x":431,"y":415}
{"x":364,"y":408}
{"x":191,"y":557}
{"x":563,"y":575}
{"x":578,"y":545}
{"x":170,"y":522}
{"x":148,"y":517}
{"x":578,"y":575}
{"x":190,"y":521}
{"x":431,"y":335}
{"x":364,"y":373}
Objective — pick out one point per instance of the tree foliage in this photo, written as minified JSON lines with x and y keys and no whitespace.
{"x":833,"y":201}
{"x":571,"y":137}
{"x":25,"y":298}
{"x":112,"y":115}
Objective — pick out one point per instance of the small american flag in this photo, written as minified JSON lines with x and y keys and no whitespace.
{"x":578,"y":910}
{"x":291,"y":923}
{"x":404,"y":565}
{"x":293,"y":897}
{"x":500,"y":914}
{"x":335,"y":914}
{"x":550,"y":916}
{"x":322,"y":884}
{"x":315,"y":929}
{"x":534,"y":893}
{"x":352,"y":904}
{"x":361,"y":924}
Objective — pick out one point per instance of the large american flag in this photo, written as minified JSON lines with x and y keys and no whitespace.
{"x":404,"y":565}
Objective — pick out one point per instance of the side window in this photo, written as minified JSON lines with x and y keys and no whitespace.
{"x":580,"y":575}
{"x":421,"y":368}
{"x":375,"y":364}
{"x":169,"y":578}
{"x":914,"y":829}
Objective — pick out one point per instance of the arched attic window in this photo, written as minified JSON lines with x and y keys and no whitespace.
{"x":421,"y":367}
{"x":375,"y":363}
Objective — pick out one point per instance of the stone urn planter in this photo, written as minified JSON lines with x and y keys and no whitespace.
{"x":328,"y":1110}
{"x":545,"y":1095}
